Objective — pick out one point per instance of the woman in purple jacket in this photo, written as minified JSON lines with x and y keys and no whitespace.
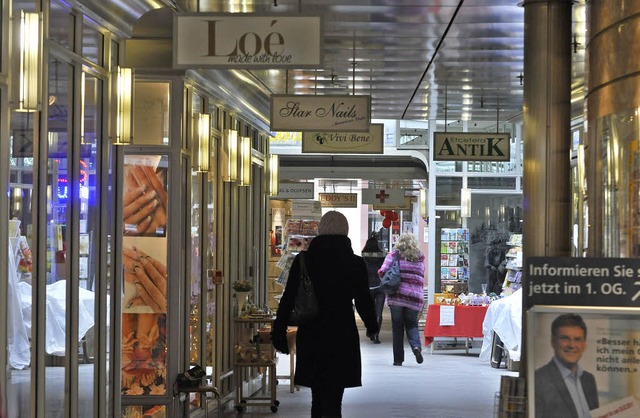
{"x":406,"y":305}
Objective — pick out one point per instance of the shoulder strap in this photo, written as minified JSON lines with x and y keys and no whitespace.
{"x":303,"y":265}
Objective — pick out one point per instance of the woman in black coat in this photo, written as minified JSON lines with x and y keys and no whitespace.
{"x":328,"y":348}
{"x":373,"y":258}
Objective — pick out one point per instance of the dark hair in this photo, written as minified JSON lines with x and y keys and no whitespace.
{"x":568,"y":320}
{"x":371,"y":246}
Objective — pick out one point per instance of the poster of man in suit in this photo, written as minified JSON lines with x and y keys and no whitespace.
{"x":583,"y":363}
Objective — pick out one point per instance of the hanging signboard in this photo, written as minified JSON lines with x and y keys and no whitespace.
{"x":405,"y":205}
{"x":465,"y":146}
{"x":320,"y":113}
{"x":345,"y":142}
{"x":246,"y":40}
{"x":339,"y":200}
{"x":383,"y":197}
{"x":295,"y":190}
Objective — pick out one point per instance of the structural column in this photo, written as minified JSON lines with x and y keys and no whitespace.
{"x":547,"y":136}
{"x":547,"y":125}
{"x":612,"y":144}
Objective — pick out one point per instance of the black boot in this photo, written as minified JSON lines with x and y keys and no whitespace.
{"x":376,"y":339}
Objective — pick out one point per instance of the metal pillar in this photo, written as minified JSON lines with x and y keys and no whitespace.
{"x":614,"y":88}
{"x":547,"y":120}
{"x":547,"y":123}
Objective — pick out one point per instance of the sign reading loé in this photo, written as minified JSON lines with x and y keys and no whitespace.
{"x":465,"y":146}
{"x":320,"y":113}
{"x":243,"y":40}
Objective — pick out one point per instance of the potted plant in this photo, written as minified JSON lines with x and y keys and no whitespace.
{"x":242,"y":285}
{"x":242,"y":288}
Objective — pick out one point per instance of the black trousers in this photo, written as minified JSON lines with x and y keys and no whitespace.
{"x":326,"y":402}
{"x":378,"y":301}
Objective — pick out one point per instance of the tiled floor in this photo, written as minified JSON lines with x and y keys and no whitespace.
{"x":449,"y":384}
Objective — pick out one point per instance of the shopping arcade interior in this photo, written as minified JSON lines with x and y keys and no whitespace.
{"x":495,"y":112}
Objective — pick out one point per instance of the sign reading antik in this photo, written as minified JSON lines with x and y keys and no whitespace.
{"x":464,"y":146}
{"x":237,"y":40}
{"x":345,"y":142}
{"x":320,"y":113}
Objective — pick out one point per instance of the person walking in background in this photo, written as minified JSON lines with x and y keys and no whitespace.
{"x":328,"y":358}
{"x":373,"y":257}
{"x":407,"y":303}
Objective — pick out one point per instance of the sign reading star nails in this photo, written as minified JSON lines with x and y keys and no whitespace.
{"x":382,"y":196}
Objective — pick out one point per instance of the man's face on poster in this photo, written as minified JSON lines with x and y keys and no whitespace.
{"x":568,"y":345}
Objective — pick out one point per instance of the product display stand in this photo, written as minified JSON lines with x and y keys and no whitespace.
{"x":513,"y":278}
{"x":454,"y":260}
{"x":250,"y":353}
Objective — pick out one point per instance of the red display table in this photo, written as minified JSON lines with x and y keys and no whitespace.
{"x":468,"y":323}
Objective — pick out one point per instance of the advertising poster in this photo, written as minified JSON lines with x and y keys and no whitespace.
{"x":606,"y":361}
{"x":144,"y":261}
{"x":145,"y":195}
{"x":144,"y":350}
{"x":583,"y":337}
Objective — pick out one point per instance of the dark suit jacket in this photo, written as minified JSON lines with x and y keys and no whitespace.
{"x":552,"y":396}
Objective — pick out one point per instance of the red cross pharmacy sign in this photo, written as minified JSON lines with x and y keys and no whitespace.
{"x":382,"y":196}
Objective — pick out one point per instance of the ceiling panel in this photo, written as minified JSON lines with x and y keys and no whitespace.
{"x":418,"y":59}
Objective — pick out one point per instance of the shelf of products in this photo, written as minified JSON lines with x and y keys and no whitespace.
{"x":513,"y":277}
{"x":454,"y":260}
{"x":251,"y":352}
{"x":298,"y":233}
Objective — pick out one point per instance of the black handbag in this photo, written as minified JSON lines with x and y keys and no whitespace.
{"x":190,"y":379}
{"x":390,"y":282}
{"x":305,"y":305}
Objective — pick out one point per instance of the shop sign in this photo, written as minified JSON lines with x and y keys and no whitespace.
{"x":345,"y":142}
{"x":306,"y":209}
{"x":320,"y":113}
{"x":464,"y":146}
{"x":405,"y":205}
{"x":339,"y":200}
{"x":246,"y":40}
{"x":293,"y":190}
{"x":383,"y":197}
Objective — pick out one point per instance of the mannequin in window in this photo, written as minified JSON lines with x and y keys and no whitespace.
{"x":496,"y":267}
